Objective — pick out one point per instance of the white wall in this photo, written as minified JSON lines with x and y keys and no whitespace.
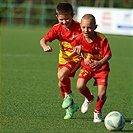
{"x":110,"y":20}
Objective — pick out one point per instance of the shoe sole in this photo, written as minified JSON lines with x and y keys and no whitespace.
{"x":97,"y":121}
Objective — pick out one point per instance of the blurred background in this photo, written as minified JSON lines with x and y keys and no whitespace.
{"x":42,"y":12}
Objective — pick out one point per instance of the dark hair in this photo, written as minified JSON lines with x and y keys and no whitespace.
{"x":64,"y":8}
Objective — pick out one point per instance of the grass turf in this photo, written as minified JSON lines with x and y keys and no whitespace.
{"x":30,"y":101}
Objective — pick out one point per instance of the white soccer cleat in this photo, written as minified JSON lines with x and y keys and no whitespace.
{"x":86,"y":105}
{"x":97,"y":117}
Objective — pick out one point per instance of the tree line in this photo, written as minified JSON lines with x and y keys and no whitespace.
{"x":18,"y":14}
{"x":93,"y":3}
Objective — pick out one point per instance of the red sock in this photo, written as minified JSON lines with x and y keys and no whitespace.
{"x":66,"y":85}
{"x":99,"y":104}
{"x":62,"y":92}
{"x":86,"y":93}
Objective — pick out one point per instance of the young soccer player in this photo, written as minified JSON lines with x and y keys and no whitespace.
{"x":96,"y":52}
{"x":65,"y":31}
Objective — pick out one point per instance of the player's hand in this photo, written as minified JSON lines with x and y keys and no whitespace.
{"x":95,"y":64}
{"x":47,"y":49}
{"x":87,"y":61}
{"x":77,"y":49}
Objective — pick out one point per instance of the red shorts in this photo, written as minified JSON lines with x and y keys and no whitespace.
{"x":101,"y":77}
{"x":72,"y":66}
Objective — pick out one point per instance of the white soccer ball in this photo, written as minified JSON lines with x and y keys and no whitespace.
{"x":114,"y":121}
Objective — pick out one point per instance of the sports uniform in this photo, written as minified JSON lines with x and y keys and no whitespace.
{"x":67,"y":57}
{"x":96,"y":50}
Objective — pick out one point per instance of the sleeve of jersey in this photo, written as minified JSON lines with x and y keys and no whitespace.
{"x":51,"y":35}
{"x":106,"y":49}
{"x":76,"y":42}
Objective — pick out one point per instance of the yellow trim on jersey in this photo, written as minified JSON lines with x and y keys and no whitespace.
{"x":65,"y":45}
{"x":101,"y":35}
{"x":90,"y":56}
{"x":66,"y":53}
{"x":65,"y":57}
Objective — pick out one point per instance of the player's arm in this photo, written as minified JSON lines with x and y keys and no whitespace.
{"x":105,"y":59}
{"x":76,"y":46}
{"x":44,"y":45}
{"x":106,"y":54}
{"x":97,"y":63}
{"x":77,"y":49}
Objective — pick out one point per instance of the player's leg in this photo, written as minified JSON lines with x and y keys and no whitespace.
{"x":101,"y":98}
{"x":65,"y":89}
{"x":68,"y":70}
{"x":62,"y":91}
{"x":83,"y":78}
{"x":64,"y":79}
{"x":64,"y":72}
{"x":65,"y":86}
{"x":101,"y":80}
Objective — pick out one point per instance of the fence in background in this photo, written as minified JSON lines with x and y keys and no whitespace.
{"x":14,"y":14}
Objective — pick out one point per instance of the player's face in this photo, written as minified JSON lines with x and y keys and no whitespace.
{"x":88,"y":28}
{"x":65,"y":19}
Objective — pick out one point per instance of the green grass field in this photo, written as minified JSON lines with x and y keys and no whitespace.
{"x":30,"y":101}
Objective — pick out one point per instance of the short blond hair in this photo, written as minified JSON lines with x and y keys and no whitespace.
{"x":90,"y":17}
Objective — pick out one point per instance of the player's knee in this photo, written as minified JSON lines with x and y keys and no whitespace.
{"x":59,"y":84}
{"x":80,"y":87}
{"x":102,"y":96}
{"x":60,"y":76}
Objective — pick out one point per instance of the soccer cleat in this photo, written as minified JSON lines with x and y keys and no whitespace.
{"x":70,"y":111}
{"x":97,"y":116}
{"x":67,"y":101}
{"x":86,"y":105}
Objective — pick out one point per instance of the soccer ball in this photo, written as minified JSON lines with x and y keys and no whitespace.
{"x":114,"y":121}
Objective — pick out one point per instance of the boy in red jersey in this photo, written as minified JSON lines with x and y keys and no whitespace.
{"x":96,"y":52}
{"x":65,"y":31}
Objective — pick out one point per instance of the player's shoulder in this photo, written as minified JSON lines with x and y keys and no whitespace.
{"x":56,"y":25}
{"x":80,"y":36}
{"x":76,"y":23}
{"x":102,"y":36}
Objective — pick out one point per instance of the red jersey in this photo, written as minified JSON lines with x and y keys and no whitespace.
{"x":65,"y":36}
{"x":98,"y":49}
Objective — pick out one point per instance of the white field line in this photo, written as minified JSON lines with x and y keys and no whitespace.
{"x":21,"y":55}
{"x":40,"y":55}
